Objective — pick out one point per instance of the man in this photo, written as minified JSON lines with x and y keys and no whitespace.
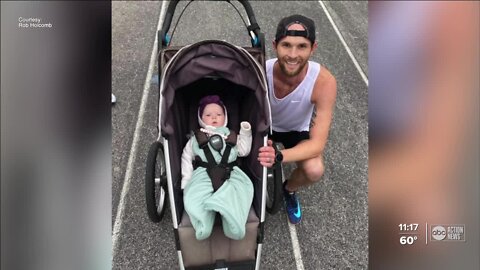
{"x":297,"y":85}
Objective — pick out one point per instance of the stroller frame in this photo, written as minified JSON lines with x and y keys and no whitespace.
{"x":162,"y":180}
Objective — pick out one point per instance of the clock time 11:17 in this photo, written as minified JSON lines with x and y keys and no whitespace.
{"x":408,"y":227}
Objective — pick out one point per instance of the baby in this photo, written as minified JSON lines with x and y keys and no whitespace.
{"x":211,"y":180}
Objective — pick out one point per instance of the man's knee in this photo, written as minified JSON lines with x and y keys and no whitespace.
{"x":313,"y":169}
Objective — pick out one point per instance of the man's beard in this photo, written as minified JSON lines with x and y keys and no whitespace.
{"x":294,"y":73}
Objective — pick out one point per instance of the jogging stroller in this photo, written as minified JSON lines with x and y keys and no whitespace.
{"x":237,"y":75}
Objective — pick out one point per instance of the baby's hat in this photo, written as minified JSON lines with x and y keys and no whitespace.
{"x":209,"y":100}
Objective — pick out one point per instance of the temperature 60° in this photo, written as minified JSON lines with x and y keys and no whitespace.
{"x":407,"y":240}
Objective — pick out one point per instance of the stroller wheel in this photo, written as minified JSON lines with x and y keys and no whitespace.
{"x":274,"y":187}
{"x":156,"y":183}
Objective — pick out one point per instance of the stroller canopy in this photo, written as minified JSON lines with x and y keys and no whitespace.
{"x":213,"y":59}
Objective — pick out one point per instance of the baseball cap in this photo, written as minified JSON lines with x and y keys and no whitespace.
{"x":308,"y":25}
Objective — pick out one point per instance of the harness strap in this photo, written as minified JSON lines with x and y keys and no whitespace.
{"x":226,"y":154}
{"x":202,"y":140}
{"x":220,"y":172}
{"x":209,"y":155}
{"x":199,"y":163}
{"x":201,"y":137}
{"x":232,"y":138}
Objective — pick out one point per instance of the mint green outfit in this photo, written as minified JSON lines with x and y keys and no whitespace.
{"x":232,"y":200}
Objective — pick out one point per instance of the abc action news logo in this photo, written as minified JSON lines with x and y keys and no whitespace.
{"x":452,"y":232}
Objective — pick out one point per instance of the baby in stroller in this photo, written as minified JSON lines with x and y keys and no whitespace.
{"x":211,"y":180}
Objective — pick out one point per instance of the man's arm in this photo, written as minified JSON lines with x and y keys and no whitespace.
{"x":323,"y":96}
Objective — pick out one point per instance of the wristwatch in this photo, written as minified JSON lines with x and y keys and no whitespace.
{"x":278,"y":156}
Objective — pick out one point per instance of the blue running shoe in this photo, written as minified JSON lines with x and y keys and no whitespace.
{"x":292,"y":206}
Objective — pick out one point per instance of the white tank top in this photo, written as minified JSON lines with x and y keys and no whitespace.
{"x":294,"y":111}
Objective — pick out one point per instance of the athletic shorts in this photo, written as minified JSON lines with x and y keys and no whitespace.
{"x":291,"y":138}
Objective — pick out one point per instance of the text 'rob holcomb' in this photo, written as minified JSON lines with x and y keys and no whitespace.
{"x":32,"y":23}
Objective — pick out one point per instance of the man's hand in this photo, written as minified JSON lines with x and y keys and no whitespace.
{"x":266,"y":155}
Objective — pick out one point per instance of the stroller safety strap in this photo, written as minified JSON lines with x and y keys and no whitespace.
{"x":220,"y":172}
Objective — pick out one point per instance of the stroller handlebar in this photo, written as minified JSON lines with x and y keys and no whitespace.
{"x":253,"y":28}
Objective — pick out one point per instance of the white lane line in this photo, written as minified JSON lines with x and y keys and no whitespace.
{"x":296,"y":246}
{"x":355,"y":62}
{"x":136,"y":135}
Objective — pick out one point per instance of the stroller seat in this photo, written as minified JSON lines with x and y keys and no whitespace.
{"x":217,"y":247}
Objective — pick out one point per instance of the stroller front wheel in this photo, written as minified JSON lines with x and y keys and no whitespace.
{"x":156,"y":183}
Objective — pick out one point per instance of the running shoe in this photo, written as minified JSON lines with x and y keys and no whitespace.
{"x":292,"y":206}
